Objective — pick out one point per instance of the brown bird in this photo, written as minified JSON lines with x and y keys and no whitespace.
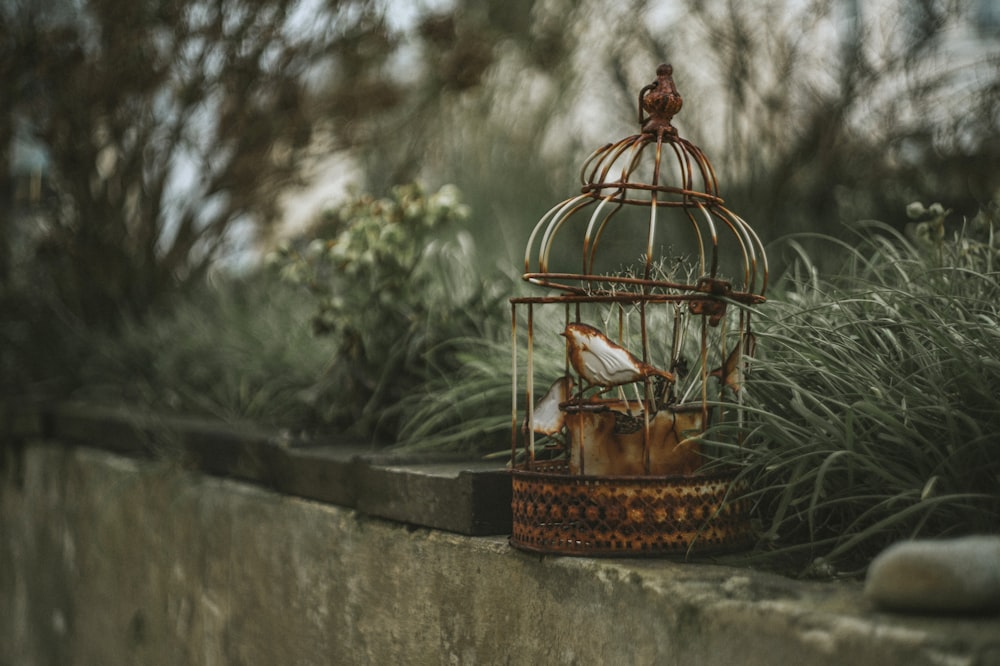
{"x":731,"y":372}
{"x":601,"y":362}
{"x":546,"y":417}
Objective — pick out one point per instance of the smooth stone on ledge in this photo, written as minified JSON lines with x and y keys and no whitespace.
{"x":940,"y":576}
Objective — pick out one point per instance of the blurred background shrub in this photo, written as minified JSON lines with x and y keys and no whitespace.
{"x":393,"y":292}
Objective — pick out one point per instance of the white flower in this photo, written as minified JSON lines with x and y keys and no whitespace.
{"x":923,"y":232}
{"x":316,"y":248}
{"x":447,"y":196}
{"x":915,"y":210}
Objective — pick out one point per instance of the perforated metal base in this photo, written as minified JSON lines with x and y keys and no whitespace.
{"x":559,"y":513}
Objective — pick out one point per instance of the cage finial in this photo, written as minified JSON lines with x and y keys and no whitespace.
{"x":661,"y":101}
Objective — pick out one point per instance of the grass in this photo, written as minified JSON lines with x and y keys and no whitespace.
{"x":467,"y":407}
{"x":238,"y":351}
{"x":874,"y":406}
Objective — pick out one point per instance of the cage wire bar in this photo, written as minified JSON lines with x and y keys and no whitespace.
{"x":620,"y":474}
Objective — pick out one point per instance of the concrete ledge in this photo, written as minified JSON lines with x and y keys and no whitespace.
{"x":468,"y":497}
{"x":110,"y":560}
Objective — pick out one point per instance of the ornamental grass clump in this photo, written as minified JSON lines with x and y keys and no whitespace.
{"x":236,"y":350}
{"x":874,"y":408}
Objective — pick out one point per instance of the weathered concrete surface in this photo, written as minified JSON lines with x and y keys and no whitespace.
{"x":110,"y":560}
{"x":440,"y":491}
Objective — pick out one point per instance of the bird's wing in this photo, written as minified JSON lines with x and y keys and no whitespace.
{"x":547,"y":418}
{"x":614,"y":363}
{"x":731,"y":372}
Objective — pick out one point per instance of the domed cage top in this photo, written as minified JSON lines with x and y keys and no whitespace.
{"x":642,"y":341}
{"x":638,"y":171}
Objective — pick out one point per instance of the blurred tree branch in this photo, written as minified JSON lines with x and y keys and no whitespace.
{"x":172,"y":125}
{"x":836,"y":110}
{"x":813,"y":113}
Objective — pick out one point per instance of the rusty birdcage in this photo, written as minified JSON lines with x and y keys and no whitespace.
{"x":609,"y":459}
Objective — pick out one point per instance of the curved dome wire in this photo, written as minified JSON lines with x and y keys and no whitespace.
{"x":674,"y":181}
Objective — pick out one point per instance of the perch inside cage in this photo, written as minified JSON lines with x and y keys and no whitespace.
{"x":641,"y":342}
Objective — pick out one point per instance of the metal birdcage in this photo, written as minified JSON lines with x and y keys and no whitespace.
{"x":648,"y":278}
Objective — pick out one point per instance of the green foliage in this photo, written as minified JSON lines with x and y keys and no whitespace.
{"x":238,"y":351}
{"x":873,"y":407}
{"x":368,"y":262}
{"x":468,"y":408}
{"x":392,"y":294}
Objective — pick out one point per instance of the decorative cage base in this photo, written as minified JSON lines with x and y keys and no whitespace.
{"x":560,"y":513}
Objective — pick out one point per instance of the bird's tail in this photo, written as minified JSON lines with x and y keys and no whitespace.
{"x":669,"y":376}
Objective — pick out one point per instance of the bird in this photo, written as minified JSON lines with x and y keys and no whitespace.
{"x":731,"y":372}
{"x":546,"y":417}
{"x":601,"y":362}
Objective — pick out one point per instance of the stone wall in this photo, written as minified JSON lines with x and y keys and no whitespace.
{"x":107,"y":559}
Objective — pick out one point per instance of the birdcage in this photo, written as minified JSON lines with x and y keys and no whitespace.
{"x":641,"y":341}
